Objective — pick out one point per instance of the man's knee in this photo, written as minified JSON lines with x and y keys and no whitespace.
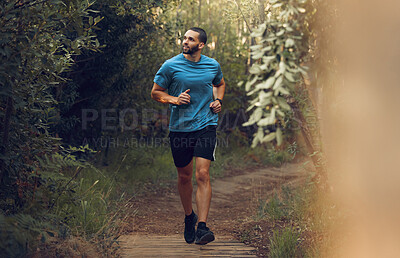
{"x":184,"y":177}
{"x":202,"y":175}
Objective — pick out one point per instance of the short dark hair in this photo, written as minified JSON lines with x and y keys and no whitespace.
{"x":202,"y":34}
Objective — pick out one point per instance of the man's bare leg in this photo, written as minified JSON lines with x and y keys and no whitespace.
{"x":185,"y":187}
{"x":203,"y":194}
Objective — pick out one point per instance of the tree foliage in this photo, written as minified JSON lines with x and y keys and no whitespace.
{"x":39,"y":40}
{"x":136,"y":41}
{"x":41,"y":43}
{"x":279,"y":54}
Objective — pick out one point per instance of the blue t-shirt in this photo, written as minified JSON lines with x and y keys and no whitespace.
{"x":179,"y":74}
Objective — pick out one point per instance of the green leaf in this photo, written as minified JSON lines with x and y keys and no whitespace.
{"x":257,"y":55}
{"x":282,"y":65}
{"x":289,"y":77}
{"x":277,"y":5}
{"x":258,"y":114}
{"x":92,"y":11}
{"x":268,"y":58}
{"x":257,"y":137}
{"x":287,"y":27}
{"x":269,"y":137}
{"x":248,"y":123}
{"x":250,"y":83}
{"x":279,"y":136}
{"x":267,"y":84}
{"x":260,"y":134}
{"x":252,"y":92}
{"x":280,"y":33}
{"x":265,"y":101}
{"x":251,"y":106}
{"x":283,"y":104}
{"x":263,"y":122}
{"x":258,"y":32}
{"x":255,"y":47}
{"x":289,"y":43}
{"x":255,"y":69}
{"x":301,"y":10}
{"x":98,"y":19}
{"x":272,"y":116}
{"x":268,"y":48}
{"x":280,"y":113}
{"x":282,"y":69}
{"x":283,"y":91}
{"x":278,"y":82}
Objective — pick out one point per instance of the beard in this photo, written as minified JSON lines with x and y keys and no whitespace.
{"x":191,"y":50}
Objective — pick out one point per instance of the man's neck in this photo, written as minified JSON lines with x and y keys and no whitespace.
{"x":195,"y":57}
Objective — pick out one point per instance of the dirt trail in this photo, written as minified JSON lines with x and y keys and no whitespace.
{"x":234,"y":201}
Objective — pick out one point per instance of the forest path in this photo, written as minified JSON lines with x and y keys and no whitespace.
{"x":157,"y":228}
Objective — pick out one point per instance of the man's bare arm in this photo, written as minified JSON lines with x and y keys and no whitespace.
{"x":159,"y":94}
{"x":218,"y":92}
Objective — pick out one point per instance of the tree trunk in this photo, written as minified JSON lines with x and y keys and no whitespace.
{"x":317,"y":159}
{"x":199,"y":12}
{"x":178,"y":14}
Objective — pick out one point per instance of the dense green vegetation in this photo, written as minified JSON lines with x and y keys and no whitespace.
{"x":79,"y":132}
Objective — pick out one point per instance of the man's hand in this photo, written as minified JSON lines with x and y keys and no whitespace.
{"x":215,"y":106}
{"x":183,"y":98}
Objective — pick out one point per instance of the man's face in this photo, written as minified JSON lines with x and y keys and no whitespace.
{"x":191,"y":43}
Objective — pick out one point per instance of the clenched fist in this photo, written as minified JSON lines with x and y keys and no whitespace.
{"x":184,"y":98}
{"x":216,"y":106}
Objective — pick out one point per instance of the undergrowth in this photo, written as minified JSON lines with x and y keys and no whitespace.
{"x":284,"y":243}
{"x":72,"y":195}
{"x":298,"y":222}
{"x":64,"y":197}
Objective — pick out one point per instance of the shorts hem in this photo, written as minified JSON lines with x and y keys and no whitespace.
{"x":199,"y":156}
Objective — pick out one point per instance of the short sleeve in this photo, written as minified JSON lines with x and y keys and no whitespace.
{"x":163,"y":76}
{"x":218,"y":77}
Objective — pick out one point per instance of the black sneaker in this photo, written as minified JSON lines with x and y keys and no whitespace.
{"x":190,"y":229}
{"x":204,"y":236}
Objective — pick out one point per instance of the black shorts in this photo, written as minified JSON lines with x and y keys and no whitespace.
{"x":186,"y":145}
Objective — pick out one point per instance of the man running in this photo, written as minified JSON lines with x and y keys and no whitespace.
{"x":192,"y":80}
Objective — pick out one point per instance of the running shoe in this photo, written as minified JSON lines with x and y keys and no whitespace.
{"x":204,"y":236}
{"x":190,"y":229}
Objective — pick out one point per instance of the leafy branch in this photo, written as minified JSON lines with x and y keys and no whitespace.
{"x":273,"y":77}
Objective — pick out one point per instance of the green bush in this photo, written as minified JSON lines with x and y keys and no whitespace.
{"x":277,"y":158}
{"x":284,"y":243}
{"x":17,"y":233}
{"x":86,"y":212}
